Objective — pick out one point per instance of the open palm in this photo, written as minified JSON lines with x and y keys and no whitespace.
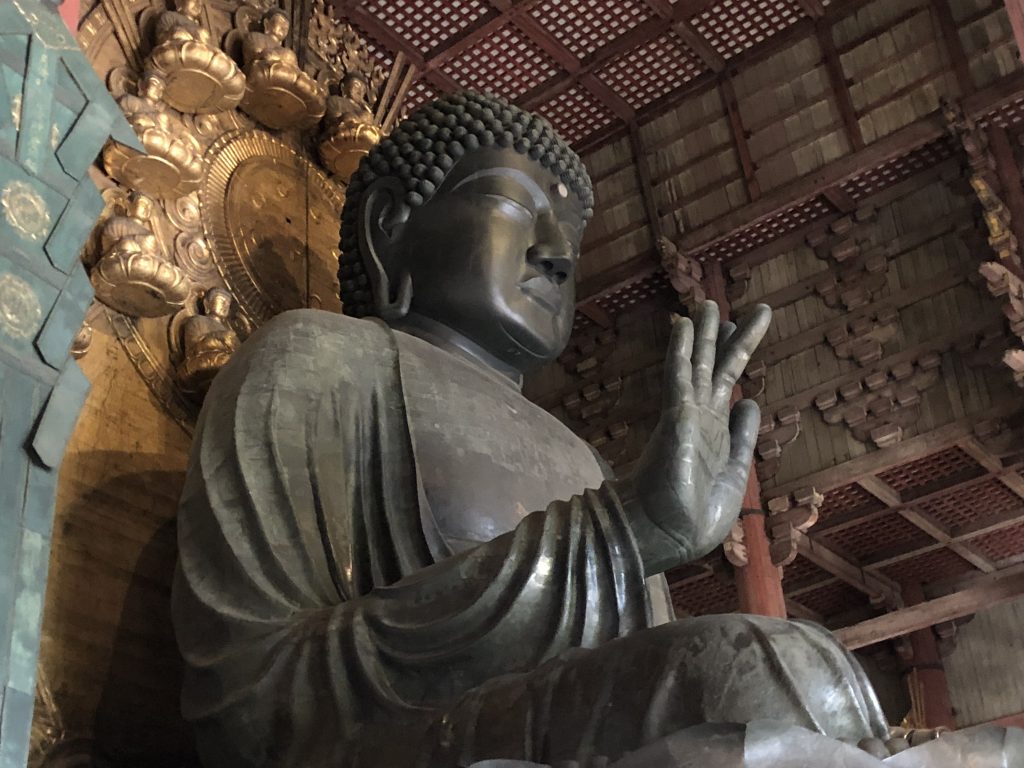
{"x":688,"y":486}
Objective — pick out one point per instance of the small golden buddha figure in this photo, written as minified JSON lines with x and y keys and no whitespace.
{"x":183,"y":24}
{"x":172,"y":165}
{"x":349,"y":128}
{"x":132,"y":274}
{"x":207,"y":343}
{"x":200,"y":77}
{"x":278,"y":93}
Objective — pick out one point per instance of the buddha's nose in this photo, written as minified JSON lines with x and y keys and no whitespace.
{"x":552,"y":262}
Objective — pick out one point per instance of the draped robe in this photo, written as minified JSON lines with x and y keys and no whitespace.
{"x":335,"y":607}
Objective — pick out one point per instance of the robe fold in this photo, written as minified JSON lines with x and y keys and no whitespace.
{"x":327,"y":620}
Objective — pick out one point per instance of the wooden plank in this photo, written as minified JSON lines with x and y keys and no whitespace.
{"x":995,"y":591}
{"x":1015,"y":10}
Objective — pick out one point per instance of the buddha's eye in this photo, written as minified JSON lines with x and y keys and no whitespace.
{"x":511,"y":206}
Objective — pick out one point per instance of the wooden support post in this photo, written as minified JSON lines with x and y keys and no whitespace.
{"x":1015,"y":10}
{"x":926,"y":673}
{"x":759,"y":582}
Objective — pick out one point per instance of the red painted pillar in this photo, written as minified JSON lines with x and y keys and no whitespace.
{"x":1015,"y":10}
{"x":926,"y":666}
{"x":759,"y":582}
{"x":69,"y":10}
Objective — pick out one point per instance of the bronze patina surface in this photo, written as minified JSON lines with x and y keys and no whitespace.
{"x":389,"y":557}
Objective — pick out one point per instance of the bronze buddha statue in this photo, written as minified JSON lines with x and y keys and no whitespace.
{"x":389,"y":557}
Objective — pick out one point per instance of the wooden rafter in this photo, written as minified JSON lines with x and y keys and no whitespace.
{"x":739,"y":137}
{"x":995,"y":590}
{"x":877,"y":586}
{"x":643,"y":173}
{"x":954,"y":46}
{"x":840,"y":85}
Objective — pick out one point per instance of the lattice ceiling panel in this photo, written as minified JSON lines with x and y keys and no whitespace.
{"x":652,"y":70}
{"x":707,"y":595}
{"x":507,"y":63}
{"x":634,"y":293}
{"x":899,"y":169}
{"x":932,"y":472}
{"x":1000,"y":545}
{"x":847,"y":501}
{"x":931,"y":566}
{"x":975,"y":504}
{"x":381,"y":52}
{"x":802,"y":573}
{"x":766,"y":230}
{"x":832,"y":599}
{"x":733,"y":26}
{"x":427,"y":24}
{"x":583,"y":26}
{"x":880,"y":536}
{"x":419,"y":93}
{"x":576,"y":113}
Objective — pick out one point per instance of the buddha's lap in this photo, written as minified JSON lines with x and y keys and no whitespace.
{"x":636,"y":689}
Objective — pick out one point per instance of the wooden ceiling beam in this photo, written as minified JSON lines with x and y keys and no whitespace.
{"x":954,"y":45}
{"x":908,"y":450}
{"x":797,"y":610}
{"x":840,"y":85}
{"x":889,"y":496}
{"x":643,"y":174}
{"x":875,"y":585}
{"x":809,"y":186}
{"x":739,"y":138}
{"x":995,"y":590}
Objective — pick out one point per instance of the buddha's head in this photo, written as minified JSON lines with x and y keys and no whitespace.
{"x":275,"y":24}
{"x":354,"y":87}
{"x":190,"y":8}
{"x":151,"y":86}
{"x":470,"y":215}
{"x":217,"y":303}
{"x":140,"y":207}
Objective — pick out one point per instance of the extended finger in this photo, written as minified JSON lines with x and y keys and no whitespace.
{"x":704,"y":351}
{"x":725,"y":332}
{"x":678,"y":374}
{"x":736,"y":355}
{"x":744,"y":422}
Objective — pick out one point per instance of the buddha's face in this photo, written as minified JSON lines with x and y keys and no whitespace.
{"x":152,"y":88}
{"x":277,"y":26}
{"x":190,"y":8}
{"x":493,"y":255}
{"x":142,"y":208}
{"x":355,"y":89}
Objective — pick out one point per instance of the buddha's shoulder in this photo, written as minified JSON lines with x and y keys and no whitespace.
{"x":311,"y":344}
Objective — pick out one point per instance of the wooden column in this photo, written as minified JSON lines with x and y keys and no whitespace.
{"x":69,"y":12}
{"x":759,"y":582}
{"x":926,"y":672}
{"x":1015,"y":10}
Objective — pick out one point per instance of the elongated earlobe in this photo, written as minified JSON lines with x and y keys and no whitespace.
{"x":382,"y":215}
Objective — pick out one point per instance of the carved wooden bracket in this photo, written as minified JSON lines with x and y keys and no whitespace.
{"x":777,"y":431}
{"x":862,"y":339}
{"x":878,"y":407}
{"x":789,"y":517}
{"x":1004,"y":283}
{"x":734,"y":548}
{"x":684,"y":272}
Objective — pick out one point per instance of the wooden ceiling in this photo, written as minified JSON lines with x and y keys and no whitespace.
{"x":590,"y":66}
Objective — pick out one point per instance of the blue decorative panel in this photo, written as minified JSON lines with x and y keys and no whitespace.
{"x":55,"y":115}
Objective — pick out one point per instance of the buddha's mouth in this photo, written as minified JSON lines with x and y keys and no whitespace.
{"x":543,"y":291}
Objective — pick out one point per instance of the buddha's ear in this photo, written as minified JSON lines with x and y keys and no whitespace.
{"x":383,"y":212}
